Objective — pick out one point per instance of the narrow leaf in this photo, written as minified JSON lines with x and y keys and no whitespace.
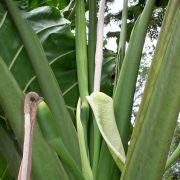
{"x":122,"y":40}
{"x":126,"y":85}
{"x":81,"y":61}
{"x":174,"y":156}
{"x":102,"y":106}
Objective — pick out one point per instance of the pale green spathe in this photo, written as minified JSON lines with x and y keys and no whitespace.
{"x":102,"y":106}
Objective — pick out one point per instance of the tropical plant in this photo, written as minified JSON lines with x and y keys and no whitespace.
{"x":83,"y":128}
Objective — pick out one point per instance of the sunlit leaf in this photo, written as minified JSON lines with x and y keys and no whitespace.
{"x":102,"y":106}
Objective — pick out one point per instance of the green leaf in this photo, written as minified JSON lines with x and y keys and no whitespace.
{"x":60,"y":4}
{"x":4,"y":171}
{"x":81,"y":61}
{"x":159,"y":108}
{"x":102,"y":106}
{"x":126,"y":84}
{"x":53,"y":31}
{"x":9,"y":157}
{"x":45,"y":164}
{"x":106,"y":166}
{"x":46,"y":80}
{"x":174,"y":156}
{"x":3,"y":165}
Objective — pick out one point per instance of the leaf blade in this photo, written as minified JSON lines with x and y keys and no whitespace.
{"x":102,"y":106}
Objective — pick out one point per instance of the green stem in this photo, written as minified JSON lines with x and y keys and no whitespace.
{"x":81,"y":61}
{"x":92,"y":42}
{"x":96,"y":148}
{"x":81,"y":50}
{"x":174,"y":156}
{"x":91,"y":59}
{"x":47,"y":81}
{"x":122,"y":40}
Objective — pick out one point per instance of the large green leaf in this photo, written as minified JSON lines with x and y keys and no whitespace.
{"x":9,"y":157}
{"x":45,"y":164}
{"x":160,"y":105}
{"x":5,"y":170}
{"x":31,"y":4}
{"x":53,"y":31}
{"x":52,"y":34}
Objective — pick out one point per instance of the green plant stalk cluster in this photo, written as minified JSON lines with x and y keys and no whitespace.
{"x":47,"y":82}
{"x":159,"y":109}
{"x":11,"y":98}
{"x":124,"y":92}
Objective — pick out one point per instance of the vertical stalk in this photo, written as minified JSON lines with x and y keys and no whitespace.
{"x":122,"y":40}
{"x":126,"y":84}
{"x":91,"y":66}
{"x":92,"y":42}
{"x":81,"y":61}
{"x":81,"y":49}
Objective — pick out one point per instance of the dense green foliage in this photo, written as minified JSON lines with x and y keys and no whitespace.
{"x":47,"y":53}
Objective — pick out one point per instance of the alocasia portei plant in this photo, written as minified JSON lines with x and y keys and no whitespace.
{"x":81,"y":132}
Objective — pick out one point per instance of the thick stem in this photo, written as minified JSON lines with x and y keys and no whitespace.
{"x":92,"y":42}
